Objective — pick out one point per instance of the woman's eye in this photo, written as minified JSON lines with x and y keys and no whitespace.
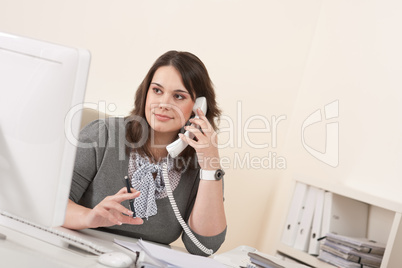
{"x":157,"y":90}
{"x":179,"y":97}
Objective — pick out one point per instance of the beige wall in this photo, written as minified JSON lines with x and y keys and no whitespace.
{"x":355,"y":63}
{"x":255,"y":51}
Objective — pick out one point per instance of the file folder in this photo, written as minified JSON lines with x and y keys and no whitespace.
{"x":314,"y":244}
{"x":295,"y":213}
{"x":304,"y":230}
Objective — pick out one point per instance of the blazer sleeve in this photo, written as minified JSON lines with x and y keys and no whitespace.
{"x":90,"y":150}
{"x":210,"y":242}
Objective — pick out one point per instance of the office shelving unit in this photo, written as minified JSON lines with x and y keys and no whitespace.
{"x":384,"y":223}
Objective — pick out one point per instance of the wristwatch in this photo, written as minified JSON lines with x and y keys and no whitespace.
{"x":211,"y":175}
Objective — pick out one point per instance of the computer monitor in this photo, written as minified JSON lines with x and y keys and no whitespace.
{"x":40,"y":83}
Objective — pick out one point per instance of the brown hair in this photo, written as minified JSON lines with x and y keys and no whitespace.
{"x":196,"y":80}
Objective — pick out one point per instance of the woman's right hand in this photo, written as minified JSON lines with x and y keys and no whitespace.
{"x":108,"y":212}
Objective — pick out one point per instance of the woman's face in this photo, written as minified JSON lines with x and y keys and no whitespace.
{"x":168,"y":105}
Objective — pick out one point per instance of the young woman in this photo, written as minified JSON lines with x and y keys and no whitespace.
{"x":135,"y":147}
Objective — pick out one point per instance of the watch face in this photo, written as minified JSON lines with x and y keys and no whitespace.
{"x":219,"y":174}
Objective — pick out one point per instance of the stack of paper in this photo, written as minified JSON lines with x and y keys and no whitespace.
{"x":345,"y":251}
{"x":339,"y":262}
{"x":166,"y":257}
{"x":360,"y":244}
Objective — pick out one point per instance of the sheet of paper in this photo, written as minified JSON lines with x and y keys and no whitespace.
{"x":128,"y":245}
{"x":169,"y":257}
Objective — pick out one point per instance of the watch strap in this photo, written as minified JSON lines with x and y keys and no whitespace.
{"x":211,"y":175}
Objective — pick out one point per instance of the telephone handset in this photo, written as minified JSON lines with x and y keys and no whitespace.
{"x":175,"y":148}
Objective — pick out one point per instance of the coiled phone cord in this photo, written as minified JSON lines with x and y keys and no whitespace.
{"x":177,"y":212}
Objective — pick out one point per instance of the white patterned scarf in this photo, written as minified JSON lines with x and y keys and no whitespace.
{"x":141,"y":171}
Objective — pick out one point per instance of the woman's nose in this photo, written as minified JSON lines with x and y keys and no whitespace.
{"x":164,"y":103}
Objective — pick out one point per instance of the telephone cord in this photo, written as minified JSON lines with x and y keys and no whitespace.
{"x":177,"y":212}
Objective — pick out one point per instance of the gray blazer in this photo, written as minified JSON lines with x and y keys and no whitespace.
{"x":100,"y":167}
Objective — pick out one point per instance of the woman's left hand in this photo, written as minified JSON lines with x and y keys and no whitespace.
{"x":205,"y":142}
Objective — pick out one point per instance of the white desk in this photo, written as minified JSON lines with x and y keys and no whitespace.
{"x":20,"y":250}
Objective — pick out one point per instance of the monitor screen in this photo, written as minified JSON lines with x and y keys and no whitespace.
{"x":40,"y":84}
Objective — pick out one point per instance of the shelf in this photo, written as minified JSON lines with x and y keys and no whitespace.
{"x":384,"y":211}
{"x":366,"y":193}
{"x":302,"y":256}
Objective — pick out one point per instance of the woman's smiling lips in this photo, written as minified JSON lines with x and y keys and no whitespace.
{"x":162,"y":117}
